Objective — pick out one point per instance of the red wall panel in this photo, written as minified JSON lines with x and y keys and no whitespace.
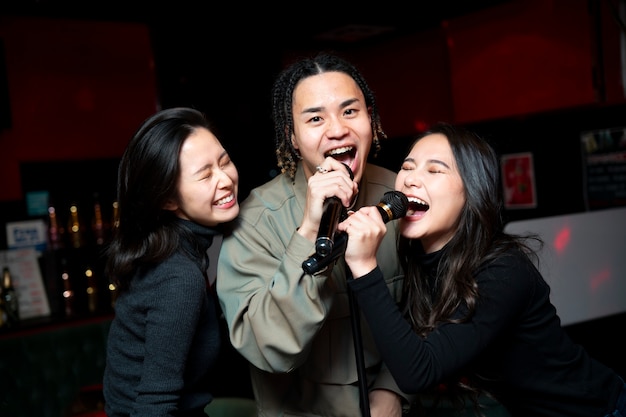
{"x":411,"y":79}
{"x":521,"y":57}
{"x":77,"y":89}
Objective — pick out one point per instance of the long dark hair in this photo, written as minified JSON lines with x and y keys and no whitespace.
{"x":282,"y":104}
{"x":479,"y":238}
{"x":147,"y":179}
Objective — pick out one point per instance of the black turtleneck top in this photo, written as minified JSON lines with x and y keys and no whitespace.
{"x":514,"y":343}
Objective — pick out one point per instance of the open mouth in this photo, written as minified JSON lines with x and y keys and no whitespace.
{"x":416,"y":205}
{"x":344,"y":154}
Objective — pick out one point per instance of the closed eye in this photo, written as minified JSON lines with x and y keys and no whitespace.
{"x":225,"y":162}
{"x":437,"y":167}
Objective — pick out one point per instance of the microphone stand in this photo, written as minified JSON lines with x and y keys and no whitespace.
{"x":355,"y":316}
{"x":315,"y":264}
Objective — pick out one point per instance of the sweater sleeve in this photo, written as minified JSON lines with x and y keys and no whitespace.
{"x":420,"y":363}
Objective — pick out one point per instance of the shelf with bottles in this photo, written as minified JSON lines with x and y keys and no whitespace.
{"x":75,"y":283}
{"x":75,"y":289}
{"x":75,"y":292}
{"x":78,"y":227}
{"x":72,"y":263}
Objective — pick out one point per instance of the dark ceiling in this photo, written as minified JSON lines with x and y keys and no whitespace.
{"x":309,"y":25}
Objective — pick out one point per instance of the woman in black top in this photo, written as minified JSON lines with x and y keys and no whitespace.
{"x":476,"y":316}
{"x":176,"y":186}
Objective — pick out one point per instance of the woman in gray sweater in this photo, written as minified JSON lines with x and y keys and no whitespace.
{"x":176,"y":186}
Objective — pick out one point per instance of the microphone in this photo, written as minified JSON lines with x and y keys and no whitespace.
{"x":334,"y":212}
{"x":393,"y":205}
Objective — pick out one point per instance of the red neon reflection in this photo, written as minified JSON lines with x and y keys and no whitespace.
{"x":600,"y":278}
{"x":562,"y":239}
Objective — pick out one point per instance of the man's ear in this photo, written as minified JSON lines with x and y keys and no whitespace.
{"x":293,"y":141}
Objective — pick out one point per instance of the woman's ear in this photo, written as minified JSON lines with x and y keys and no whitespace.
{"x":170,"y":205}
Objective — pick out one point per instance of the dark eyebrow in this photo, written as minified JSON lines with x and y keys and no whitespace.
{"x":348,"y":102}
{"x":438,"y":162}
{"x":344,"y":104}
{"x":223,"y":155}
{"x":430,"y":161}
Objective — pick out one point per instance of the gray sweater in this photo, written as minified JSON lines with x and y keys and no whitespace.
{"x":164,"y":339}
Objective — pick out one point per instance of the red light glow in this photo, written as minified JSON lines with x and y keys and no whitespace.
{"x":562,"y":239}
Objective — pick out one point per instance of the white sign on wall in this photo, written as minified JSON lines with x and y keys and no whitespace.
{"x":27,"y":280}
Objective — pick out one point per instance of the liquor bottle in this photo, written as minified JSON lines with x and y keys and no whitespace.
{"x":97,"y":224}
{"x":92,"y":290}
{"x":9,"y":297}
{"x":55,"y":232}
{"x":74,"y":228}
{"x":68,"y":292}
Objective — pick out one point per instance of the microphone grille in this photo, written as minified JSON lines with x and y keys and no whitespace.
{"x":393,"y":205}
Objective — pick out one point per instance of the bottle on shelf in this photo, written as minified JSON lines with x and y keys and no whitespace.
{"x":75,"y":228}
{"x":92,"y":290}
{"x":98,"y":227}
{"x":55,"y":232}
{"x":9,"y":299}
{"x":68,"y":292}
